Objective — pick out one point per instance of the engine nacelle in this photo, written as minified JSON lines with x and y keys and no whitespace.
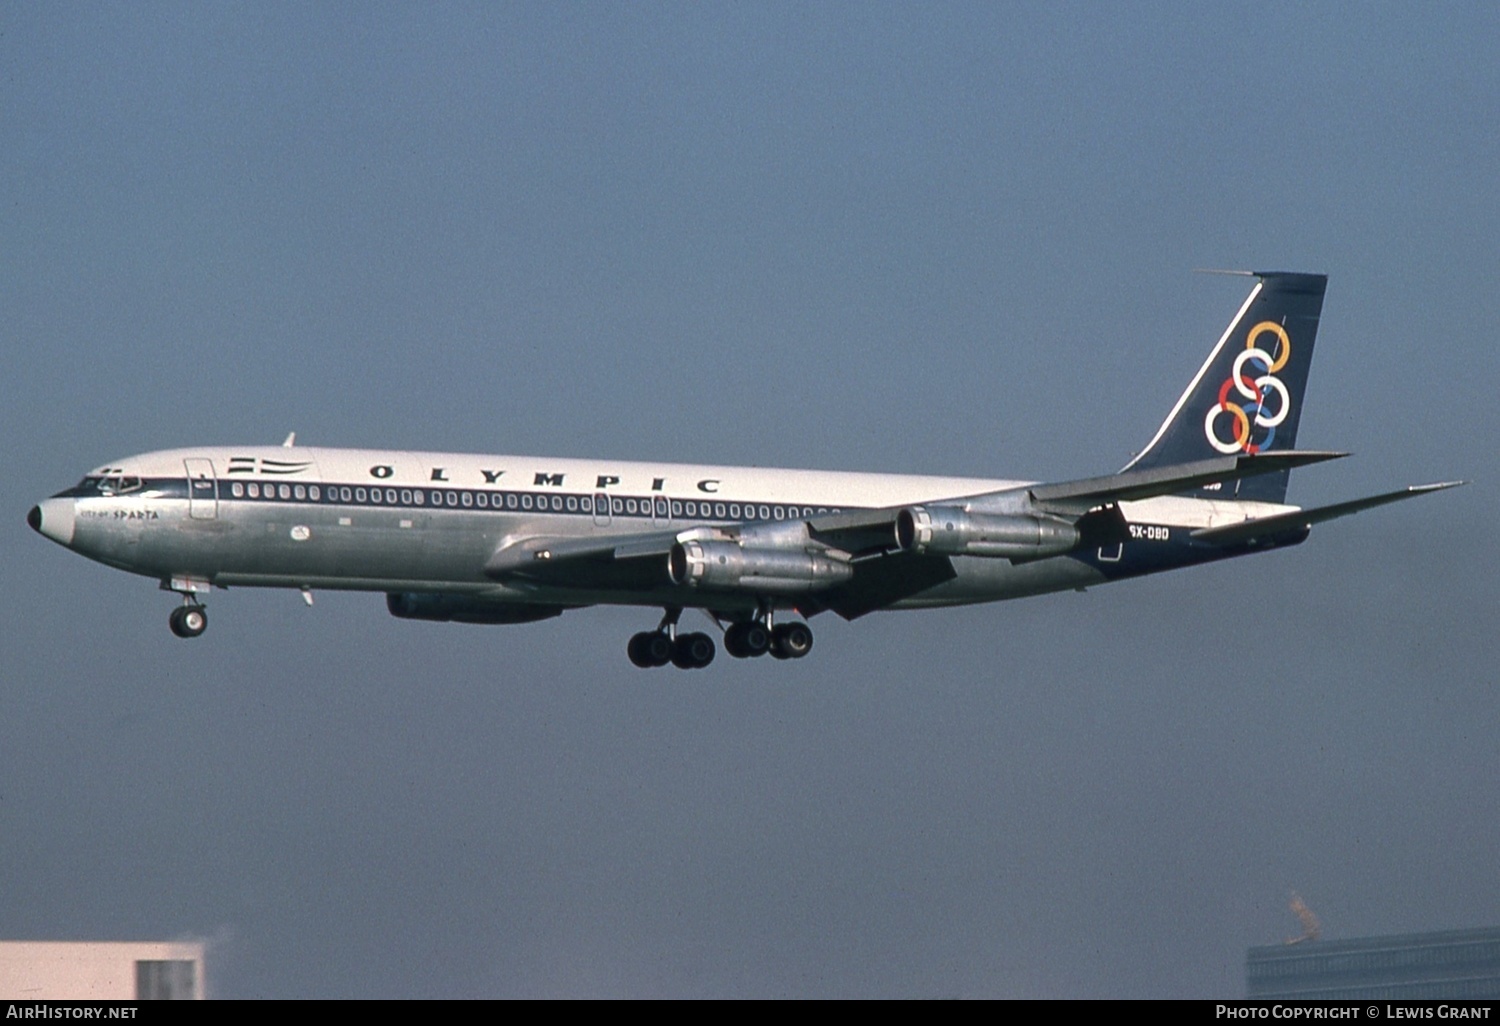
{"x":949,"y":531}
{"x":729,"y":566}
{"x":421,"y":605}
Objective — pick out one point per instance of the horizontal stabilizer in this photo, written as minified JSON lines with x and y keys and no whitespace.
{"x":1302,"y":519}
{"x":1080,"y":496}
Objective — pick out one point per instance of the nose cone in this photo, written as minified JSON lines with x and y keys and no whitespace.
{"x":53,"y":518}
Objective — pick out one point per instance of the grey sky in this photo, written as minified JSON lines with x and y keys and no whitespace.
{"x":941,"y":238}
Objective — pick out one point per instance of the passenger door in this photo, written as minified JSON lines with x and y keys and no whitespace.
{"x":203,"y":489}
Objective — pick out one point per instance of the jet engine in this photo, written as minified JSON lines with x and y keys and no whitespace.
{"x":950,"y":531}
{"x":419,"y":605}
{"x":729,"y":566}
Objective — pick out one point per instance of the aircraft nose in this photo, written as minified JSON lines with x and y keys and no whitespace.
{"x":53,"y":518}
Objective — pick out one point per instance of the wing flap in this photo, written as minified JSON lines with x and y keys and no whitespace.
{"x":878,"y":583}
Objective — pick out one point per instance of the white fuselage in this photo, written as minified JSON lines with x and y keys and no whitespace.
{"x":391,"y":521}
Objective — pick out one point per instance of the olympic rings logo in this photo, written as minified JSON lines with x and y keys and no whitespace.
{"x":1245,"y":419}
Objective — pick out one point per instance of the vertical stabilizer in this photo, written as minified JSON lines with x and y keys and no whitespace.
{"x":1247,"y":397}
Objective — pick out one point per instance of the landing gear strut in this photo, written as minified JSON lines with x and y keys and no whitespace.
{"x":664,"y":645}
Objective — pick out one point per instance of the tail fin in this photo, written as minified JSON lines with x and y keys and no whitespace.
{"x":1247,"y":397}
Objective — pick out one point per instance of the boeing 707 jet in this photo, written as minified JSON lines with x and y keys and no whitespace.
{"x":513,"y":539}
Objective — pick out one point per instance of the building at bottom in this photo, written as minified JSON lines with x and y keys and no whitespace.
{"x":1455,"y":965}
{"x":101,"y":970}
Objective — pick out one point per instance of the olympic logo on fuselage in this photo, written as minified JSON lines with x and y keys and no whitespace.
{"x":1248,"y":418}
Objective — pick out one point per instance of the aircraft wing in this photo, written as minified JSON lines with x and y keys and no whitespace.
{"x":878,"y":583}
{"x":882,"y":574}
{"x":872,"y":531}
{"x":1081,"y":496}
{"x":1265,"y":528}
{"x":620,"y":561}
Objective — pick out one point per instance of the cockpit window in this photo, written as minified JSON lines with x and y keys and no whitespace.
{"x":113,"y":482}
{"x":106,"y":484}
{"x":118,"y":484}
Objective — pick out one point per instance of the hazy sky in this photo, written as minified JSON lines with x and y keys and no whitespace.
{"x":926,"y":237}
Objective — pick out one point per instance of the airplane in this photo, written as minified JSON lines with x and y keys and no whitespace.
{"x":515,"y":539}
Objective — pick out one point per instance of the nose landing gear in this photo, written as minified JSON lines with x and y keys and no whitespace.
{"x":188,"y":621}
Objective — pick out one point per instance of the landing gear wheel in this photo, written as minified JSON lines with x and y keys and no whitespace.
{"x":188,"y":621}
{"x":792,"y":640}
{"x":692,"y":651}
{"x":747,"y":639}
{"x":650,"y":649}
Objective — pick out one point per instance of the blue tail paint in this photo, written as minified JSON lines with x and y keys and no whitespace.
{"x":1247,"y":397}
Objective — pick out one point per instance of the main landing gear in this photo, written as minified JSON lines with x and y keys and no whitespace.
{"x":747,"y":639}
{"x":664,"y":645}
{"x":743,"y":639}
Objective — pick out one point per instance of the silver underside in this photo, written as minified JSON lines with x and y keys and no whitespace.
{"x":389,"y":550}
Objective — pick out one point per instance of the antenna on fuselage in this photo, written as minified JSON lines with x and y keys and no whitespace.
{"x":291,"y":440}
